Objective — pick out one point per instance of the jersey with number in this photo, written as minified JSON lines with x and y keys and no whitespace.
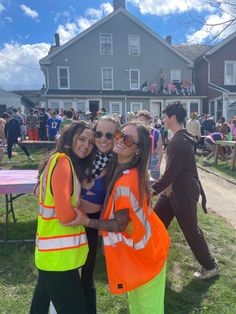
{"x":53,"y":126}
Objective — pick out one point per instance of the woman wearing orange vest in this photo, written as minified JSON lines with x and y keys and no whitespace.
{"x":61,"y":250}
{"x":136,"y":242}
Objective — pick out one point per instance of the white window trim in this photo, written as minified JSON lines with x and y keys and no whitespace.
{"x":171,"y":75}
{"x":115,"y":103}
{"x":130,"y":54}
{"x":111,"y":78}
{"x":106,"y":54}
{"x":82,"y":100}
{"x":234,"y":62}
{"x":58,"y":77}
{"x":136,"y":88}
{"x":136,"y":103}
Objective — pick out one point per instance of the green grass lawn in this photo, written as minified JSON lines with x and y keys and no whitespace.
{"x":222,"y":167}
{"x":183,"y":294}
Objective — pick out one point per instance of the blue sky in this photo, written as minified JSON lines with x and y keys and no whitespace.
{"x":27,"y":28}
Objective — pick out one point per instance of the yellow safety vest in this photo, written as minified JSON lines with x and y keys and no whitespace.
{"x":58,"y":248}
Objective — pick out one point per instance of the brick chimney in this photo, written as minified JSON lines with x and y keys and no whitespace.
{"x":57,"y":39}
{"x":118,"y":4}
{"x":169,"y":39}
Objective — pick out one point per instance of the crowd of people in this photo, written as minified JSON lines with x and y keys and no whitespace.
{"x":105,"y":169}
{"x":206,"y":132}
{"x":39,"y":125}
{"x":110,"y":171}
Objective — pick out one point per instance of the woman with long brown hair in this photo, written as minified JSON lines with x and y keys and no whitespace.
{"x":60,"y":250}
{"x":135,"y":241}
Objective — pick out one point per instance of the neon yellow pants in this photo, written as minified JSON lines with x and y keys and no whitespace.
{"x":149,"y":298}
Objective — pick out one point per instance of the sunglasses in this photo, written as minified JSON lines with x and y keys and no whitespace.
{"x":108,"y":135}
{"x":127,"y":139}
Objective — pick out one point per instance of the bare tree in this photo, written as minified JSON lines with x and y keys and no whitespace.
{"x":225,"y":10}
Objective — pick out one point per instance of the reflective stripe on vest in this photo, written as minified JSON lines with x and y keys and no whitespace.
{"x":113,"y":238}
{"x":61,"y":242}
{"x":47,"y":212}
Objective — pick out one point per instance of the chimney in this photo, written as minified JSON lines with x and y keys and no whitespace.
{"x":57,"y":39}
{"x":169,"y":39}
{"x":118,"y":4}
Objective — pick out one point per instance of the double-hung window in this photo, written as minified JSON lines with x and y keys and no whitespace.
{"x":230,"y":72}
{"x":134,"y":45}
{"x":135,"y":107}
{"x":63,"y":78}
{"x":106,"y":47}
{"x":134,"y":79}
{"x":107,"y":78}
{"x":175,"y":76}
{"x":115,"y":107}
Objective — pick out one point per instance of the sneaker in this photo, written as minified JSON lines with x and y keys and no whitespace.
{"x":206,"y":273}
{"x":9,"y":161}
{"x":31,"y":158}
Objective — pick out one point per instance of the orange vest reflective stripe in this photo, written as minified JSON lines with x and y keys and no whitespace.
{"x":136,"y":255}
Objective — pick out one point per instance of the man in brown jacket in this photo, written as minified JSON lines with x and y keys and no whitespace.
{"x":180,"y":187}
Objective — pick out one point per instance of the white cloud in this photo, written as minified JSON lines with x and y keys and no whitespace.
{"x":215,"y":25}
{"x":29,"y":12}
{"x":160,"y":7}
{"x":8,"y":19}
{"x":73,"y":28}
{"x":24,"y":72}
{"x":2,"y":8}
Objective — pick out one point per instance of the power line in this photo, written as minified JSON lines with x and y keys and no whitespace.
{"x":23,"y":65}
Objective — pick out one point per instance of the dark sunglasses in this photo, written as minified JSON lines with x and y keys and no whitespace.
{"x":127,"y":139}
{"x":108,"y":135}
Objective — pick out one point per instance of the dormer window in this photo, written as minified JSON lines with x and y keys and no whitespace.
{"x":134,"y":45}
{"x":106,"y":47}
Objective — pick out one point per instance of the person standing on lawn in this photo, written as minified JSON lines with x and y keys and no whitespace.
{"x":67,"y":118}
{"x":92,"y":198}
{"x":135,"y":241}
{"x":12,"y":134}
{"x":60,"y":250}
{"x":32,"y":126}
{"x":157,"y":145}
{"x":42,"y":118}
{"x":2,"y":138}
{"x":180,"y":187}
{"x":53,"y":126}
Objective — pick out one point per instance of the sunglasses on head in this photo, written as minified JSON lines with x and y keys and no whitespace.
{"x":108,"y":135}
{"x":127,"y":139}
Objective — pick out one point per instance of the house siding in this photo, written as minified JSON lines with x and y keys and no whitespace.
{"x":85,"y":62}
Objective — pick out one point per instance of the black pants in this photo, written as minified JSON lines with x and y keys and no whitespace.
{"x":42,"y":133}
{"x":10,"y":145}
{"x":88,"y":268}
{"x":64,"y":289}
{"x":187,"y":220}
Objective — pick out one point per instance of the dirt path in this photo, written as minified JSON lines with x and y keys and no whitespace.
{"x":221,"y":196}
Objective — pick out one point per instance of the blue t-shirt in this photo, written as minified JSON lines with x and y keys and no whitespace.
{"x":53,"y":126}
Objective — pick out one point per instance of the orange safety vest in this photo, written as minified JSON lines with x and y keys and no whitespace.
{"x":136,"y":255}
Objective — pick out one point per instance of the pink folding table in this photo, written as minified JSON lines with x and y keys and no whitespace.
{"x":17,"y":182}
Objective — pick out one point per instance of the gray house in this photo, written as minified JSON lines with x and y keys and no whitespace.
{"x":120,"y":64}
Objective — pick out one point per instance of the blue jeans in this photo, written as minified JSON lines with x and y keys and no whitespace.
{"x":153,"y":167}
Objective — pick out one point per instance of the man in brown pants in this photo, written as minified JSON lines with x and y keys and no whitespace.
{"x":180,"y":187}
